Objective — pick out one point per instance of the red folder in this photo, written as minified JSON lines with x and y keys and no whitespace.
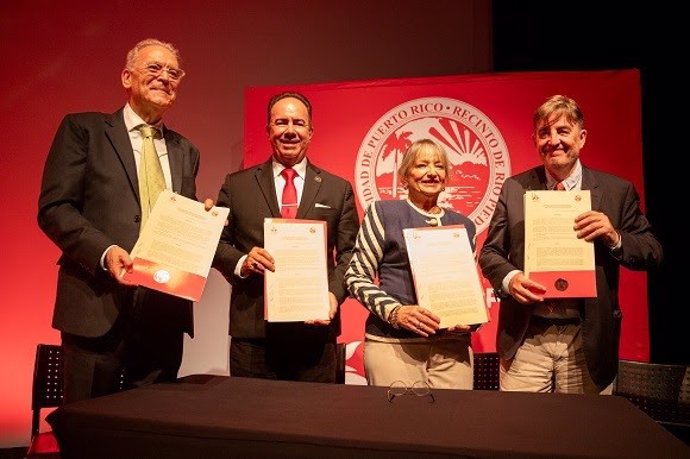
{"x":167,"y":280}
{"x":567,"y":284}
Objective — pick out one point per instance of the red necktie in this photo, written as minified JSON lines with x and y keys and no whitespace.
{"x":559,"y":187}
{"x":288,"y":206}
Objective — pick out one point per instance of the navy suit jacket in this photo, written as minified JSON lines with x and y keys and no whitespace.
{"x":250,"y":194}
{"x":503,"y":252}
{"x":89,"y":201}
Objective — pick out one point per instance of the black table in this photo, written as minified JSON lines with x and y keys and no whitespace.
{"x":214,"y":416}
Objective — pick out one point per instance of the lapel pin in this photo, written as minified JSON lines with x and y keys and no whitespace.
{"x":317,"y":179}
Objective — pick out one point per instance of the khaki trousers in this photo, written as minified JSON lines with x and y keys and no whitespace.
{"x":551,"y":359}
{"x":442,"y":364}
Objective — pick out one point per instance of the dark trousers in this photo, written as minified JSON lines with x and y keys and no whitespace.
{"x":308,"y":355}
{"x":144,"y":351}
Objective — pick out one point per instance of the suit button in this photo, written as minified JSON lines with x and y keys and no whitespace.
{"x":137,"y":219}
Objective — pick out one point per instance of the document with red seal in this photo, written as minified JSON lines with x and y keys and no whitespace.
{"x":176,"y":247}
{"x":554,"y":256}
{"x":445,"y":274}
{"x":298,"y":289}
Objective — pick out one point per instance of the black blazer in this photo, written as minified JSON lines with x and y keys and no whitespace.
{"x":89,"y":200}
{"x":250,"y":194}
{"x":503,"y":252}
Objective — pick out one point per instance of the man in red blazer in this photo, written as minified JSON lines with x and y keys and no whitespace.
{"x":568,"y":346}
{"x":302,"y":351}
{"x":89,"y":206}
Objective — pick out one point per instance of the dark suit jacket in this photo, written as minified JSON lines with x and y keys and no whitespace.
{"x":90,"y":200}
{"x":503,"y":252}
{"x":250,"y":194}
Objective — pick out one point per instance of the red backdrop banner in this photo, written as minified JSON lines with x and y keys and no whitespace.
{"x":362,"y":128}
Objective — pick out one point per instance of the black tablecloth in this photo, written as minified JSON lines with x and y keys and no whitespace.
{"x":214,"y":416}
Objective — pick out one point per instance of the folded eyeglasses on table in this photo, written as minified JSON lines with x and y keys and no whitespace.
{"x":418,"y":388}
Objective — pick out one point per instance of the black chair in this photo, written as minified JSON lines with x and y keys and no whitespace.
{"x":486,"y":371}
{"x":661,"y":391}
{"x":47,"y":392}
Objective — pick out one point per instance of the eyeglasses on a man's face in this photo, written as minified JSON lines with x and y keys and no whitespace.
{"x":155,"y":69}
{"x":418,"y":388}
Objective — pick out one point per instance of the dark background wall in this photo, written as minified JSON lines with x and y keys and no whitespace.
{"x":587,"y":35}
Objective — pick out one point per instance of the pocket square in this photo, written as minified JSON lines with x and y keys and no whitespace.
{"x":318,"y":205}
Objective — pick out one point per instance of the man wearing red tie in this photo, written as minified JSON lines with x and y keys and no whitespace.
{"x":285,"y":186}
{"x":567,"y":346}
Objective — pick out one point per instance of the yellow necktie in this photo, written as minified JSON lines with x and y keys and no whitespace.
{"x":151,"y":180}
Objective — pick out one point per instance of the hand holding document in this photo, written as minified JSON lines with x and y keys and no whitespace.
{"x":445,"y":274}
{"x":297,"y":290}
{"x":554,"y":256}
{"x":176,"y":247}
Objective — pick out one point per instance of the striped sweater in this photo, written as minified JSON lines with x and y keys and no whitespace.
{"x":380,"y":251}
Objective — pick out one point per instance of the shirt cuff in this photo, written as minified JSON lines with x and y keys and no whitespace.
{"x":105,"y":252}
{"x":505,"y":285}
{"x":238,"y":267}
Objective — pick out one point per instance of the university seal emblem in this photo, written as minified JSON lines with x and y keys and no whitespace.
{"x":478,"y":155}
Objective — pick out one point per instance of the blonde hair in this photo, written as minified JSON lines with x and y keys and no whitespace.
{"x":411,"y":154}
